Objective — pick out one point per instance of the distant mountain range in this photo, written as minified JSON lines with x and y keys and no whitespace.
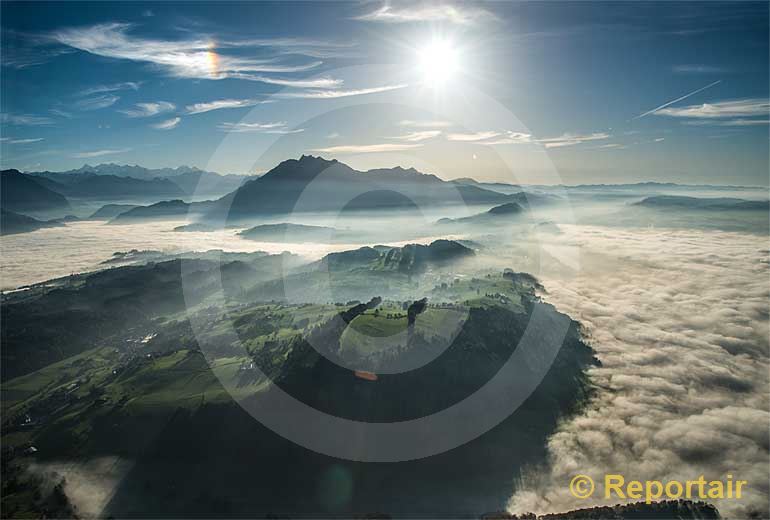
{"x":498,"y":214}
{"x":306,"y":184}
{"x":22,"y":193}
{"x":703,"y":203}
{"x":316,"y":184}
{"x":285,"y":232}
{"x":106,"y":187}
{"x":12,"y":223}
{"x":167,"y":209}
{"x":110,"y":211}
{"x":91,"y":181}
{"x":41,"y":193}
{"x":311,"y":184}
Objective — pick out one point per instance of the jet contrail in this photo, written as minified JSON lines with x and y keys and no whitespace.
{"x":664,"y":105}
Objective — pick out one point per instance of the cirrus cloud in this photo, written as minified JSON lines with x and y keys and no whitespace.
{"x":192,"y":58}
{"x":167,"y":124}
{"x":96,"y":103}
{"x":100,"y":153}
{"x":367,"y":148}
{"x":220,"y":104}
{"x":149,"y":109}
{"x":332,"y":94}
{"x":11,"y":140}
{"x":415,"y":137}
{"x":721,"y":109}
{"x":473,"y":137}
{"x":279,"y":127}
{"x":25,"y":119}
{"x":426,"y":12}
{"x":114,"y":87}
{"x":425,"y":123}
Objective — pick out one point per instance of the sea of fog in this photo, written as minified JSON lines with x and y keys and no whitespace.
{"x":675,"y":308}
{"x":679,"y":322}
{"x":48,"y":253}
{"x":81,"y":246}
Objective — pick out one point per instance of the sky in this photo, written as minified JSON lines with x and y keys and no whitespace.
{"x":536,"y":93}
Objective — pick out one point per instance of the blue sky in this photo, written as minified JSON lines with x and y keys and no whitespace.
{"x":538,"y":92}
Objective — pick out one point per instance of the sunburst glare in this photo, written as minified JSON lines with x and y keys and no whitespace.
{"x":438,"y":62}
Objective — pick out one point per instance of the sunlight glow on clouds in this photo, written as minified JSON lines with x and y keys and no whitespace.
{"x":182,"y":58}
{"x":418,"y":136}
{"x":425,"y":124}
{"x":331,"y":94}
{"x":512,"y":138}
{"x":367,"y":148}
{"x":572,"y":139}
{"x":472,"y":137}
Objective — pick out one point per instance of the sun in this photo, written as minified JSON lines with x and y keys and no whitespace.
{"x":438,"y":62}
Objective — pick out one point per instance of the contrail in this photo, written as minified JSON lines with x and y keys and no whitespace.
{"x":664,"y":105}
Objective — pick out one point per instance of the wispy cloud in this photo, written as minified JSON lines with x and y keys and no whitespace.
{"x":11,"y":140}
{"x":730,"y":122}
{"x":697,"y":69}
{"x":332,"y":94}
{"x":722,"y":109}
{"x":312,"y":48}
{"x":512,"y":138}
{"x":115,"y":87}
{"x":424,"y":123}
{"x":448,"y":13}
{"x":61,"y":113}
{"x":473,"y":137}
{"x":324,"y":82}
{"x":415,"y":137}
{"x":197,"y":58}
{"x":96,"y":103}
{"x":492,"y":138}
{"x":681,"y":98}
{"x":608,"y":146}
{"x":25,"y":120}
{"x":278,"y":127}
{"x":367,"y":148}
{"x":149,"y":109}
{"x":219,"y":104}
{"x":26,"y":50}
{"x":167,"y":124}
{"x":100,"y":153}
{"x":572,"y":139}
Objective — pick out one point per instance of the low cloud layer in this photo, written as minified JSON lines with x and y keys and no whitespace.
{"x":679,"y":320}
{"x":88,"y":485}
